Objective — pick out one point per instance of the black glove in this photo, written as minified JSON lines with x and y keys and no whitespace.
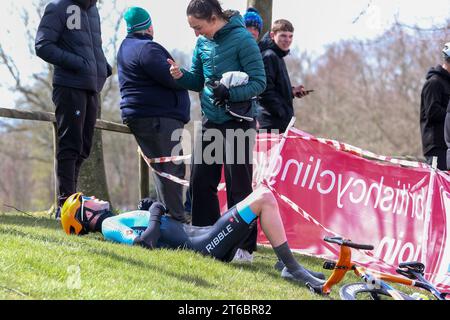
{"x":145,"y":204}
{"x":149,"y":238}
{"x":220,"y":92}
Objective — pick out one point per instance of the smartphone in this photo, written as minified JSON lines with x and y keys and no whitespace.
{"x":306,"y":93}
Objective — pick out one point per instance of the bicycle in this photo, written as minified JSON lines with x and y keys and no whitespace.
{"x":375,"y":283}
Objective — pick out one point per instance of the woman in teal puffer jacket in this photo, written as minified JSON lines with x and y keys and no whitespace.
{"x":224,"y":45}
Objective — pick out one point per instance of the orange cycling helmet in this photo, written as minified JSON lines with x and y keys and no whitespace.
{"x":70,"y":215}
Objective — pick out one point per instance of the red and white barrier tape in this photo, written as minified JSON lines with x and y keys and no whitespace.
{"x":183,"y":182}
{"x":336,"y":144}
{"x":360,"y":152}
{"x":169,"y":176}
{"x":167,"y":159}
{"x":309,"y":218}
{"x":172,"y":178}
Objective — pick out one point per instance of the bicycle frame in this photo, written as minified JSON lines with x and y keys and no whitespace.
{"x":375,"y":278}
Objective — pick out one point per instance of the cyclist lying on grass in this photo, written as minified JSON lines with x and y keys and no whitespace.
{"x":151,"y":228}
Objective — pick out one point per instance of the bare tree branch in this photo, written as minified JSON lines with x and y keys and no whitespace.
{"x":30,"y":38}
{"x":18,"y":210}
{"x":9,"y":63}
{"x":113,"y":43}
{"x":419,"y":29}
{"x":32,"y":97}
{"x":44,"y":81}
{"x":363,"y":12}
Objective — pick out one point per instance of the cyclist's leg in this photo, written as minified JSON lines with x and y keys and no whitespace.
{"x":263,"y":203}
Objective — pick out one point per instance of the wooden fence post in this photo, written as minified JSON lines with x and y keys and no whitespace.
{"x":144,"y":178}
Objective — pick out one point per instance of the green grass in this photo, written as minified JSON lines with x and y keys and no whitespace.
{"x":38,"y":261}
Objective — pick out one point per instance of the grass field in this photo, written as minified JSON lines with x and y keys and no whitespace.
{"x":38,"y":261}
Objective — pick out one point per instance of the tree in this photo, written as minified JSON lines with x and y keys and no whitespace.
{"x":265,"y":9}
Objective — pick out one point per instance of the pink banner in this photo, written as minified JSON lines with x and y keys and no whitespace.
{"x":324,"y":191}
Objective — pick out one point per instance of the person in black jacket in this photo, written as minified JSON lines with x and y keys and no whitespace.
{"x":153,"y":106}
{"x":277,"y":100}
{"x":69,"y":37}
{"x":433,"y":110}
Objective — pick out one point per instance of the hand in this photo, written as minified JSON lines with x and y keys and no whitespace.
{"x":175,"y":70}
{"x":221,"y":94}
{"x":299,"y":92}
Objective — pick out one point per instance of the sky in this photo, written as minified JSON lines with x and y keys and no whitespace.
{"x":317,"y":23}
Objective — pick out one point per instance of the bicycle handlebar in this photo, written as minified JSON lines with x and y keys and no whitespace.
{"x":348,"y":243}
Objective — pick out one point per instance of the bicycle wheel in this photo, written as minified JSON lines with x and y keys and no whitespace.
{"x":361,"y":291}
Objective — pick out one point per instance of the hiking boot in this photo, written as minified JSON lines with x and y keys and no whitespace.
{"x":301,"y":276}
{"x":243,"y":256}
{"x":279,"y":265}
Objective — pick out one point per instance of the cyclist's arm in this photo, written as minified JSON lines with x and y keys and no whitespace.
{"x":125,"y":228}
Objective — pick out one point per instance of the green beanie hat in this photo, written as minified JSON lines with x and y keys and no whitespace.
{"x":137,"y":19}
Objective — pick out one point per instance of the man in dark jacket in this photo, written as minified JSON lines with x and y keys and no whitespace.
{"x":277,"y":100}
{"x":433,"y":110}
{"x":69,"y":37}
{"x":153,"y":105}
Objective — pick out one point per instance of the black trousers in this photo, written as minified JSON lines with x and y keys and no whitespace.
{"x":76,"y":114}
{"x":214,"y":151}
{"x":154,"y":137}
{"x":441,"y":154}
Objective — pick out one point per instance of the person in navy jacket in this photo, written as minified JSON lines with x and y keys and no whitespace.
{"x":153,"y":106}
{"x":69,"y":38}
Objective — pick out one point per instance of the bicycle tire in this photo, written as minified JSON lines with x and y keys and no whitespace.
{"x":355,"y":291}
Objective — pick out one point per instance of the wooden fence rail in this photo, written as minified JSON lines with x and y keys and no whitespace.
{"x":144,"y":186}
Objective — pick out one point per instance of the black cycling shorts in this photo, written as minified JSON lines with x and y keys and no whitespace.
{"x":220,"y":240}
